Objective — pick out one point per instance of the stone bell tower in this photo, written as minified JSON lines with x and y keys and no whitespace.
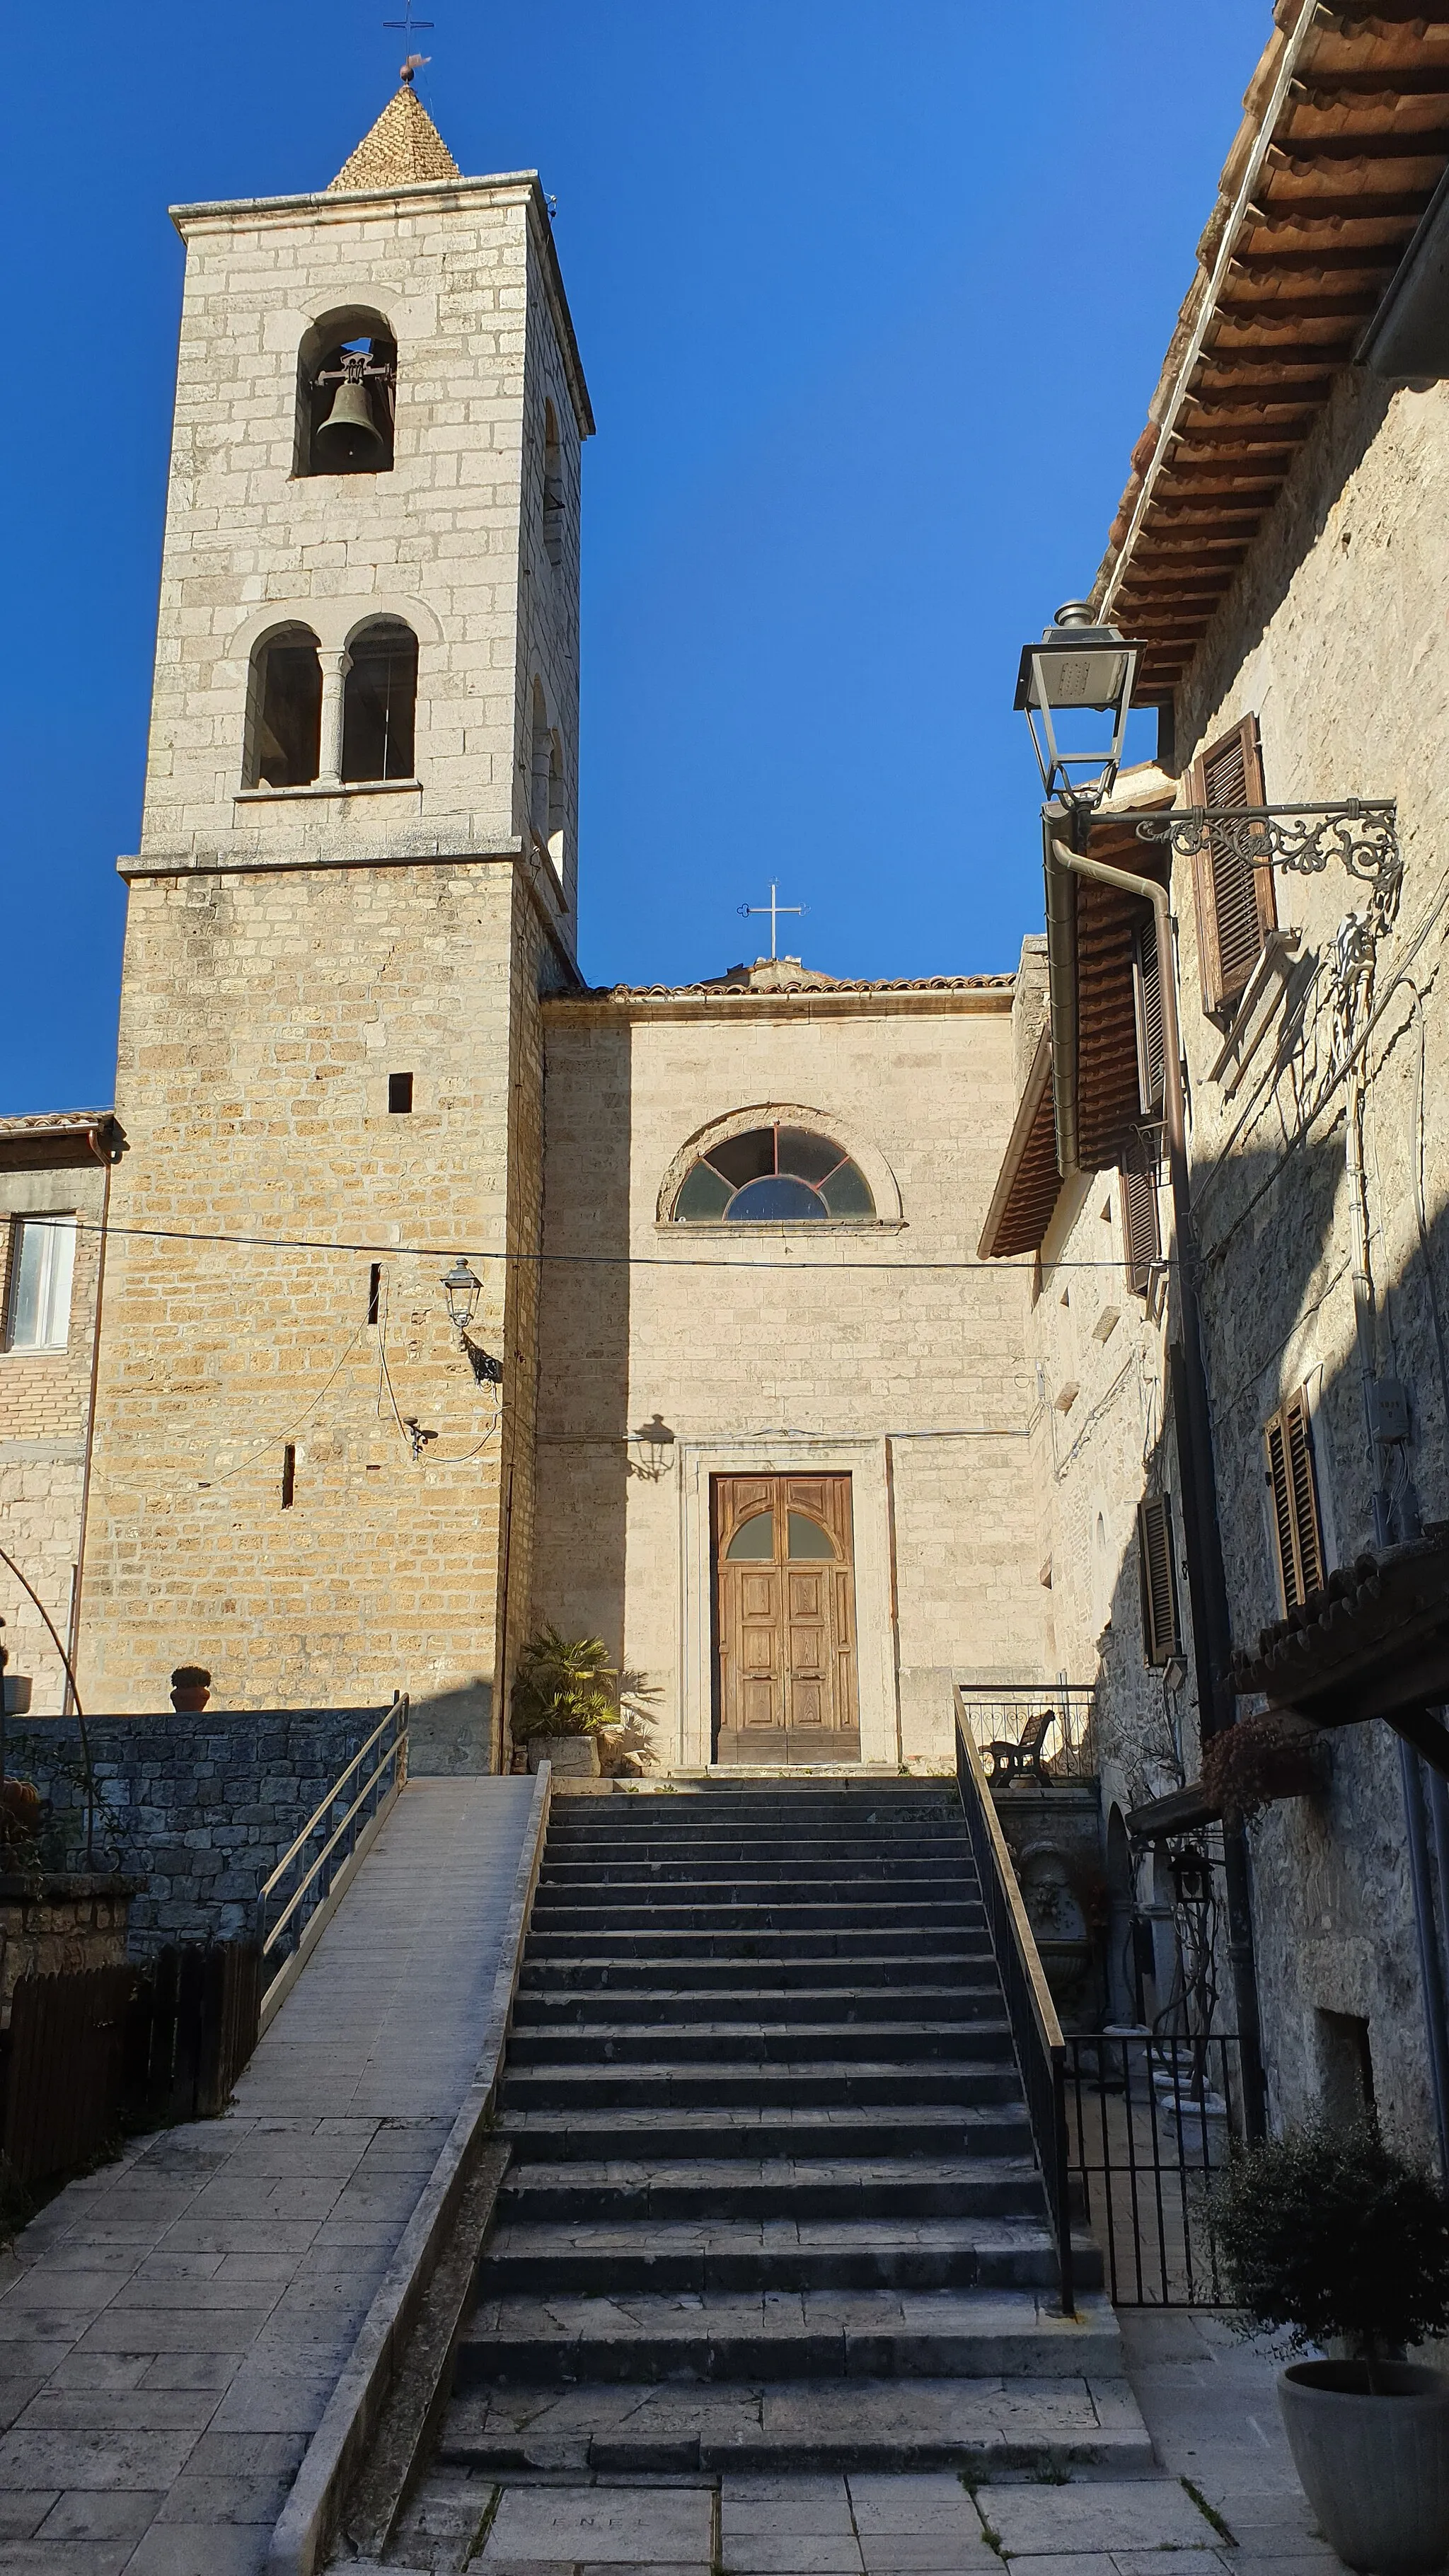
{"x":357,"y":873}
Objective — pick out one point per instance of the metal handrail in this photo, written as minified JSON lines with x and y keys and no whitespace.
{"x":395,"y":1757}
{"x":1036,"y":2033}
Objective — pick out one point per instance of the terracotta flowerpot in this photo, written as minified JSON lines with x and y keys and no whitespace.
{"x":190,"y":1699}
{"x":1375,"y":2466}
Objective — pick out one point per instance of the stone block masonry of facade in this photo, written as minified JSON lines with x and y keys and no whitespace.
{"x":203,"y":1806}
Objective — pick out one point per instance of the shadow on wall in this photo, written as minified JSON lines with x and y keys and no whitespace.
{"x":449,"y":1733}
{"x":1333,"y":1922}
{"x":583,"y":1408}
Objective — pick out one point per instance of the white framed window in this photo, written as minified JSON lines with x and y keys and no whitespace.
{"x":42,"y":1265}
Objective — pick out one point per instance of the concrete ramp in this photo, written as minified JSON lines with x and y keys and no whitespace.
{"x":175,"y":2328}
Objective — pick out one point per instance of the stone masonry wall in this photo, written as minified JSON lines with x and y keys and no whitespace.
{"x":1332,"y":636}
{"x":450,"y":539}
{"x":201,"y":1807}
{"x":261,"y":1014}
{"x":844,"y":1349}
{"x":44,"y":1409}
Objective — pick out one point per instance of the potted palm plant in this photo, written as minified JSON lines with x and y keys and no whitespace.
{"x":1337,"y":2237}
{"x":565,"y":1690}
{"x":190,"y":1689}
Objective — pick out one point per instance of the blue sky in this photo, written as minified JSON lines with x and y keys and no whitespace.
{"x":871,"y":295}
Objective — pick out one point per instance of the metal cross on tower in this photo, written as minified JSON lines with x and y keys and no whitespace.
{"x":774,"y":909}
{"x":408,"y":25}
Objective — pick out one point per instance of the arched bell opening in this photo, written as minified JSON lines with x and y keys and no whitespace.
{"x":379,"y":703}
{"x":284,"y":710}
{"x":347,"y":394}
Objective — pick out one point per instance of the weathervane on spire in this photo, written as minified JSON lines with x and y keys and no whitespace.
{"x":408,"y":25}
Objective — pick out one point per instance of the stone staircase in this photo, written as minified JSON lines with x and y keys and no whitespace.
{"x":773,"y":2202}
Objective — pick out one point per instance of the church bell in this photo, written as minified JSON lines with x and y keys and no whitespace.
{"x":349,"y":435}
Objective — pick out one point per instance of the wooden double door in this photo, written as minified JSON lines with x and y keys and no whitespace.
{"x":785,"y":1619}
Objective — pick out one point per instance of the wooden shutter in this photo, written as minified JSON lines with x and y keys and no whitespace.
{"x":1147,"y":993}
{"x":1141,"y":1232}
{"x":1235,"y":903}
{"x":1293,"y":1488}
{"x":1161,"y":1632}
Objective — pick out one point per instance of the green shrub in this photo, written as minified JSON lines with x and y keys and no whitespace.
{"x":564,"y":1686}
{"x":1331,"y":2232}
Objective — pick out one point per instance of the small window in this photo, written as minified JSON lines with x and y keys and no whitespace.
{"x":379,"y":703}
{"x":754,"y":1540}
{"x":1293,"y":1491}
{"x":1161,"y":1627}
{"x":553,"y":490}
{"x":399,"y":1095}
{"x":374,"y":1291}
{"x":289,"y":1476}
{"x":346,"y":395}
{"x":1141,"y":1229}
{"x":1235,"y":903}
{"x":774,"y":1176}
{"x":42,"y":1265}
{"x":807,"y":1538}
{"x":286,"y":703}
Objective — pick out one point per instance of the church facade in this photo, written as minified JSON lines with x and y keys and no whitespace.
{"x":355,"y":1045}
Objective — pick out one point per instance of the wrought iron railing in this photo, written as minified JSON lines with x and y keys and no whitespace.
{"x":304,"y":1878}
{"x":1149,"y":2124}
{"x":1035,"y":2031}
{"x":1031,"y":1731}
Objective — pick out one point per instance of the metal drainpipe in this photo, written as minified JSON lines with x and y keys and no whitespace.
{"x":1212,"y":1634}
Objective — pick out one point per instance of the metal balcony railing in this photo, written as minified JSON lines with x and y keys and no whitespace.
{"x":1031,"y":1731}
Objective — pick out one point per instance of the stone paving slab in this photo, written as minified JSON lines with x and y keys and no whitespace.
{"x":172,"y":2327}
{"x":1208,"y":2398}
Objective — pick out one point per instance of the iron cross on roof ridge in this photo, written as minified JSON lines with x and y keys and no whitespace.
{"x":774,"y":908}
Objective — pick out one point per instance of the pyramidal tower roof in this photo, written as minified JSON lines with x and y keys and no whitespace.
{"x":403,"y":147}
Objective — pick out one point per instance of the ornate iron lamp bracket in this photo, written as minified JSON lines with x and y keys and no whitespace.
{"x":1362,"y":833}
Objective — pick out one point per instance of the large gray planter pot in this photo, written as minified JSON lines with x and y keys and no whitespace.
{"x":573,"y":1757}
{"x":1375,"y":2468}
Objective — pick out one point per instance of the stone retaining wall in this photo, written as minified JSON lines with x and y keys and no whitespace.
{"x":201,"y":1807}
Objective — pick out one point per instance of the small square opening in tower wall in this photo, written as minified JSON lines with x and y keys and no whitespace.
{"x":399,"y":1094}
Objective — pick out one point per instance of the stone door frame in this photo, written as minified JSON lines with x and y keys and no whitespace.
{"x":864,"y":1461}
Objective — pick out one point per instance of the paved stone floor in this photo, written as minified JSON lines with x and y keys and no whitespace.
{"x":1209,"y":2402}
{"x":171,"y":2327}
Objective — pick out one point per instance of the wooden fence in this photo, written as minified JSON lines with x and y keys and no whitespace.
{"x":89,"y":2054}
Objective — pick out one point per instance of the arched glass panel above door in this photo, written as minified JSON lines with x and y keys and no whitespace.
{"x":754,"y":1540}
{"x":774,"y":1176}
{"x":807,"y":1538}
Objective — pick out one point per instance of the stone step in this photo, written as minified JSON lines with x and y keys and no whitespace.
{"x":810,"y":2189}
{"x":996,"y":2126}
{"x":778,"y":1914}
{"x":796,"y":2042}
{"x":982,"y":2428}
{"x":908,"y":1941}
{"x":636,"y":1970}
{"x":904,"y":1877}
{"x":562,"y":2008}
{"x":721,"y":2258}
{"x":809,"y":2334}
{"x":812,"y":1842}
{"x":646,"y":2083}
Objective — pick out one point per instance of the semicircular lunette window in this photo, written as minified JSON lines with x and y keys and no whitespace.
{"x":774,"y":1176}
